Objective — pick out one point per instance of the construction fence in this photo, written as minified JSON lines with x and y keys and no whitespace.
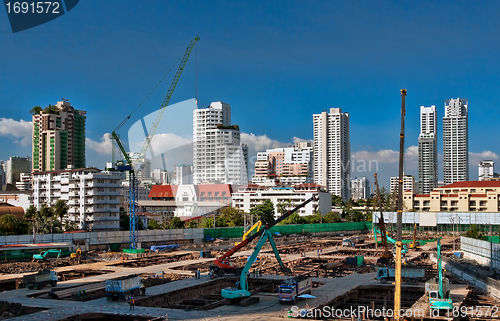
{"x":235,"y":232}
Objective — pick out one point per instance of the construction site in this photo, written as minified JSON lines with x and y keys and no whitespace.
{"x":341,"y":271}
{"x":318,"y":277}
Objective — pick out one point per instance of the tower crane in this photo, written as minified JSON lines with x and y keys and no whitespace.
{"x":399,"y":226}
{"x":127,"y":165}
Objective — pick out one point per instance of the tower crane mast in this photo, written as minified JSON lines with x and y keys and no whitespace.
{"x":128,"y":165}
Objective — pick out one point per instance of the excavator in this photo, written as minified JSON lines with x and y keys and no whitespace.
{"x":414,"y":244}
{"x":438,"y":288}
{"x":386,"y":257}
{"x":222,"y":265}
{"x":241,"y":292}
{"x":255,"y":226}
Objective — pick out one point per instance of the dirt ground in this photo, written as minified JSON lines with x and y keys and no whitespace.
{"x":12,"y":310}
{"x":26,"y":266}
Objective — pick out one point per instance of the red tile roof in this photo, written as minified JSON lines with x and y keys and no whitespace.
{"x":309,"y":185}
{"x":203,"y":190}
{"x":472,"y":184}
{"x":477,"y":195}
{"x":167,"y":191}
{"x":421,"y":195}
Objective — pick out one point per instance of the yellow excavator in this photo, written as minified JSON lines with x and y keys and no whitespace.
{"x":255,"y":226}
{"x":77,"y":255}
{"x":414,"y":245}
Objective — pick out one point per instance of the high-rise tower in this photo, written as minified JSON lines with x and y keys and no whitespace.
{"x":218,"y":155}
{"x":58,"y":138}
{"x":332,"y":151}
{"x":427,"y":150}
{"x":455,"y":141}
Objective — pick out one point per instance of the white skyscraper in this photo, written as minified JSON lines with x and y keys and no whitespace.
{"x":332,"y":151}
{"x":427,"y":150}
{"x":486,"y":170}
{"x":183,"y":174}
{"x":218,"y":155}
{"x":455,"y":141}
{"x":360,"y":188}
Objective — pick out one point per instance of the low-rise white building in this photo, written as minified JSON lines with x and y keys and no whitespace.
{"x":408,"y":183}
{"x":249,"y":196}
{"x":93,"y":197}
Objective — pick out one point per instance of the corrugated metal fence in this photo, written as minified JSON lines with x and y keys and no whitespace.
{"x":481,"y":251}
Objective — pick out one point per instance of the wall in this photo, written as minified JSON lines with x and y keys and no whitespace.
{"x":481,"y":251}
{"x":468,"y":274}
{"x":102,"y":239}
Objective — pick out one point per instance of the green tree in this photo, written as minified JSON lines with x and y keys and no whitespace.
{"x":357,"y":216}
{"x":232,"y":216}
{"x":332,"y":217}
{"x":176,"y":223}
{"x":337,"y":201}
{"x":124,"y":221}
{"x":295,"y":218}
{"x":8,"y":223}
{"x":31,"y":215}
{"x":36,"y":110}
{"x":282,"y":207}
{"x":60,"y":209}
{"x":475,"y":233}
{"x":153,"y":225}
{"x":46,"y":215}
{"x":263,"y":212}
{"x":313,"y":219}
{"x":192,"y":224}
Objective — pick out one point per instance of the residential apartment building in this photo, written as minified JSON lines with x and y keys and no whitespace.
{"x":360,"y":188}
{"x":183,"y":174}
{"x":247,"y":197}
{"x":291,"y":165}
{"x":14,"y":167}
{"x":218,"y":155}
{"x":332,"y":151}
{"x":455,"y":141}
{"x":427,"y":150}
{"x":93,"y":197}
{"x":408,"y":183}
{"x":2,"y":173}
{"x":58,"y":138}
{"x":24,"y":183}
{"x":486,"y":170}
{"x":468,"y":196}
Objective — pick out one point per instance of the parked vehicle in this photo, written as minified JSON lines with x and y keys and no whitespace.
{"x":40,"y":279}
{"x":409,"y":274}
{"x":124,"y":287}
{"x":289,"y":290}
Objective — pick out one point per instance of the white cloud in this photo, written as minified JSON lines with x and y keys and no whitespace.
{"x":296,"y":139}
{"x":387,"y":156}
{"x":19,"y":129}
{"x":165,"y":142}
{"x":260,"y":143}
{"x":103,"y":147}
{"x":476,"y":158}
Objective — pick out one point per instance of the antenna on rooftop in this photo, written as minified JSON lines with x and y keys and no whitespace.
{"x":64,"y":99}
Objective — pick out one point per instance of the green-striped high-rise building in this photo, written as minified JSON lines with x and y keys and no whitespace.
{"x":58,"y":137}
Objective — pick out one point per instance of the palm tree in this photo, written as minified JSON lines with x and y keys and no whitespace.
{"x":30,"y":215}
{"x":47,"y":213}
{"x":8,"y":222}
{"x":60,"y":209}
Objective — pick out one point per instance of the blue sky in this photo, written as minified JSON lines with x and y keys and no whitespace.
{"x":276,"y":63}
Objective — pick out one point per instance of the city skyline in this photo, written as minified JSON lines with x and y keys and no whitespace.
{"x":321,"y":66}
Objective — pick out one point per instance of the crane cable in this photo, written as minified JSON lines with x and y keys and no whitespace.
{"x":128,"y":117}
